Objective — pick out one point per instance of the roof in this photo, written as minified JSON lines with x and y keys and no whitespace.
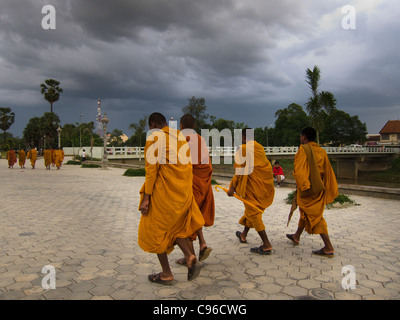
{"x":392,"y":126}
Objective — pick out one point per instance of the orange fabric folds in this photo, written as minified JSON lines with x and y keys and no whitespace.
{"x":312,"y":205}
{"x":47,"y":157}
{"x":173,"y":212}
{"x":202,"y":174}
{"x":253,"y":181}
{"x":11,"y":157}
{"x":21,"y":158}
{"x":32,"y":155}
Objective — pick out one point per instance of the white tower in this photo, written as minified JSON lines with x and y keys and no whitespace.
{"x":98,"y":119}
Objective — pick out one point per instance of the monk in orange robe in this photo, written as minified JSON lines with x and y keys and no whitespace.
{"x":202,"y":174}
{"x":170,"y":214}
{"x":58,"y":158}
{"x":21,"y":158}
{"x":311,"y":167}
{"x":47,"y":158}
{"x":53,"y":157}
{"x":253,"y":181}
{"x":32,"y":156}
{"x":12,"y":158}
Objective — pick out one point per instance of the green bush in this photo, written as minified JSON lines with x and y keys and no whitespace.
{"x":90,"y":165}
{"x":135,"y":173}
{"x":341,"y":199}
{"x":73,"y":162}
{"x":214,"y":181}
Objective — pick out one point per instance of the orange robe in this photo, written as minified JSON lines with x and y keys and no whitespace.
{"x":11,"y":157}
{"x":32,"y":155}
{"x":173,"y":212}
{"x":202,"y":174}
{"x":21,"y":158}
{"x":58,"y":158}
{"x":47,"y":157}
{"x":255,"y":183}
{"x":312,"y":206}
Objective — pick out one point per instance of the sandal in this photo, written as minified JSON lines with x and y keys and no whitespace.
{"x":322,"y":253}
{"x":156,"y":278}
{"x":194,"y":271}
{"x":238,"y":234}
{"x":203,"y":254}
{"x":260,"y":250}
{"x":290,"y":237}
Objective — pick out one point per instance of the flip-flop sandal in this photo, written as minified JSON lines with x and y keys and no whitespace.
{"x":290,"y":237}
{"x":322,"y":253}
{"x":194,"y":271}
{"x":260,"y":250}
{"x":203,"y":254}
{"x":238,"y":234}
{"x":156,"y":278}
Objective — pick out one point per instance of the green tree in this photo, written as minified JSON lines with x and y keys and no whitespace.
{"x":340,"y":128}
{"x":197,"y":108}
{"x":288,"y":125}
{"x":51,"y":91}
{"x":32,"y":133}
{"x":140,"y":130}
{"x":115,"y":138}
{"x":320,"y":104}
{"x":7,"y":118}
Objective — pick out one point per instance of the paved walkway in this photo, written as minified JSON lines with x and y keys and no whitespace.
{"x":84,"y":223}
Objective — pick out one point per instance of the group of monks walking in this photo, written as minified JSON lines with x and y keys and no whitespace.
{"x":177,"y":199}
{"x":52,"y":157}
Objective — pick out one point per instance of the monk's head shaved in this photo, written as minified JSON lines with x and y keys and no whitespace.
{"x":157,"y":119}
{"x":309,"y":133}
{"x":188,"y":122}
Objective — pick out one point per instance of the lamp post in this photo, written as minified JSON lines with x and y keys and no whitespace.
{"x":59,"y":136}
{"x":105,"y":121}
{"x":80,"y":131}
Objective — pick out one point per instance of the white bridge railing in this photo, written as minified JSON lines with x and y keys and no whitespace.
{"x":137,"y":152}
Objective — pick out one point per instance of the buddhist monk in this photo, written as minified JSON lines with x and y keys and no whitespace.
{"x":21,"y":158}
{"x":47,"y":158}
{"x":32,"y":156}
{"x":202,"y":173}
{"x":58,"y":157}
{"x":12,"y":158}
{"x":253,"y":181}
{"x":53,"y":157}
{"x":170,"y":214}
{"x":312,"y":168}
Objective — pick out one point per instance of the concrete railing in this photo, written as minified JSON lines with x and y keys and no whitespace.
{"x":137,"y":152}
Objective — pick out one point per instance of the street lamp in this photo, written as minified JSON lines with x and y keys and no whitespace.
{"x":105,"y":121}
{"x":59,"y":136}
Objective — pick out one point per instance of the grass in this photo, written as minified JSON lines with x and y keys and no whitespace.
{"x":135,"y":173}
{"x":341,"y":199}
{"x":73,"y":162}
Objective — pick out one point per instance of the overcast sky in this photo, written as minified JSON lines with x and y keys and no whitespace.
{"x":247,"y":58}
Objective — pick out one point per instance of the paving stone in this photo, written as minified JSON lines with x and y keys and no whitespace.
{"x":91,"y":240}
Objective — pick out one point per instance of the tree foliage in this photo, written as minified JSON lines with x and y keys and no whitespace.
{"x":51,"y":91}
{"x":7,"y":118}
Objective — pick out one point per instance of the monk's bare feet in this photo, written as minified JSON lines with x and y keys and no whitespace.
{"x":193,"y":268}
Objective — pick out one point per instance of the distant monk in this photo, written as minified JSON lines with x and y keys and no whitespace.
{"x":47,"y":158}
{"x":58,"y":158}
{"x":12,"y":158}
{"x":32,"y":155}
{"x":311,"y":169}
{"x":53,"y":157}
{"x":170,"y":214}
{"x":21,"y":158}
{"x":254,"y":184}
{"x":202,"y":173}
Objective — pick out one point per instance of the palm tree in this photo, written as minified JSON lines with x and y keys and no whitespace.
{"x":51,"y":91}
{"x":7,"y":118}
{"x":139,"y":131}
{"x":320,"y":103}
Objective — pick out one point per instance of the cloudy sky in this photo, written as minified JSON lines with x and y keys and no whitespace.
{"x":247,"y":58}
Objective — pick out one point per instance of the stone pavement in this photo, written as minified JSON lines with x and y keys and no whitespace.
{"x":84,"y":223}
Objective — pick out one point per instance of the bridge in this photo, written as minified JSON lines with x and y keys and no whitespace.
{"x":350,"y":160}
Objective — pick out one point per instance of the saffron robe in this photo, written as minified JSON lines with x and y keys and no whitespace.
{"x":21,"y":158}
{"x":47,"y":157}
{"x":58,"y":158}
{"x":11,"y":157}
{"x":312,"y":205}
{"x":202,"y":174}
{"x":32,"y":155}
{"x":173,"y":212}
{"x":254,"y":182}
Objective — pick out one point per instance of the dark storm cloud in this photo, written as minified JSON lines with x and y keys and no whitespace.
{"x":154,"y":54}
